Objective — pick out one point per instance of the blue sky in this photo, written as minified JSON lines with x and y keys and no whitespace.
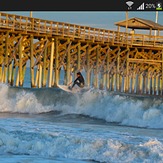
{"x":97,"y":19}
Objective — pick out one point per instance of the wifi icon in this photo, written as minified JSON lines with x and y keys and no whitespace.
{"x":129,"y":4}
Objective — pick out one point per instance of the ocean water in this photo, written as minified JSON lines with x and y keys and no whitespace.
{"x":49,"y":125}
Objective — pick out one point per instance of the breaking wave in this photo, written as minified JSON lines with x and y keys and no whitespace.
{"x":125,"y":110}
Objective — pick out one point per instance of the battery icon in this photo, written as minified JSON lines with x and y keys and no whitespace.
{"x":158,"y":6}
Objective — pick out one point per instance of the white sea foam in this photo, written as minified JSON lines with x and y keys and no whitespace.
{"x":121,"y":109}
{"x":22,"y":102}
{"x":94,"y":103}
{"x":28,"y":103}
{"x":57,"y":141}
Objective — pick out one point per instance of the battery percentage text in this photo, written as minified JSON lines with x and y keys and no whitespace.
{"x":150,"y":6}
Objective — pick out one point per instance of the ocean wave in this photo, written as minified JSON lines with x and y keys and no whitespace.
{"x":100,"y":104}
{"x":66,"y":142}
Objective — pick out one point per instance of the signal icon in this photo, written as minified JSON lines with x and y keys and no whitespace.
{"x":129,"y":4}
{"x":141,"y":7}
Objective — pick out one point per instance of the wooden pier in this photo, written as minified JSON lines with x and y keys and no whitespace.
{"x":112,"y":60}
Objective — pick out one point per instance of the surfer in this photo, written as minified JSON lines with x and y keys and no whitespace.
{"x":78,"y":81}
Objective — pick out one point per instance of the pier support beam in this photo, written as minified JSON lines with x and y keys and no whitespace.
{"x":117,"y":72}
{"x":56,"y":63}
{"x":44,"y":76}
{"x":20,"y":64}
{"x":32,"y":63}
{"x":6,"y":58}
{"x":51,"y":63}
{"x":78,"y":58}
{"x":40,"y":76}
{"x":13,"y":73}
{"x":162,"y":74}
{"x":68,"y":64}
{"x":127,"y":72}
{"x":88,"y":66}
{"x":97,"y":68}
{"x":107,"y":71}
{"x":78,"y":68}
{"x":9,"y":72}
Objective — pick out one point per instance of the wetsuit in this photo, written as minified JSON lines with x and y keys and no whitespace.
{"x":79,"y":81}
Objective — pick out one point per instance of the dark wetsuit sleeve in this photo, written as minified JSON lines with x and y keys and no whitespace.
{"x":76,"y":79}
{"x":79,"y":80}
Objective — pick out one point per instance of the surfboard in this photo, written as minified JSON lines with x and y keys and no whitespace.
{"x":65,"y":88}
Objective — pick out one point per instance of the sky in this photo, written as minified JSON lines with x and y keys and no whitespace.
{"x":97,"y":19}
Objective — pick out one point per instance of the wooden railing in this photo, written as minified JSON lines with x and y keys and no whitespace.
{"x":40,"y":26}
